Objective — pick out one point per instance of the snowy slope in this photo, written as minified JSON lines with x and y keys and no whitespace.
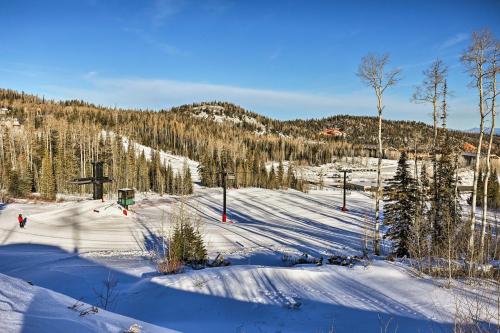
{"x":248,"y":298}
{"x":176,"y":161}
{"x":267,"y":222}
{"x":217,"y":114}
{"x":70,"y":248}
{"x":27,"y":308}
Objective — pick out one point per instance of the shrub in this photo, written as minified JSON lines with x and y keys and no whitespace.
{"x":185,"y":243}
{"x":169,"y":266}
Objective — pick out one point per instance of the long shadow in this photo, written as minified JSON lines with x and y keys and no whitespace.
{"x":153,"y":300}
{"x":3,"y":206}
{"x":282,"y":234}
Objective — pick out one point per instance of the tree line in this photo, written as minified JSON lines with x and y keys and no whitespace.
{"x":424,"y":213}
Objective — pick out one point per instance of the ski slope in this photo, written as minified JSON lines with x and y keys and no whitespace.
{"x":27,"y":308}
{"x":265,"y":223}
{"x":69,"y":248}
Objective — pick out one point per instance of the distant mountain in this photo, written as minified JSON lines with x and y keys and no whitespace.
{"x":486,"y":130}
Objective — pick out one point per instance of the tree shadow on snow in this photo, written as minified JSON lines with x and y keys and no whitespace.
{"x":153,"y":300}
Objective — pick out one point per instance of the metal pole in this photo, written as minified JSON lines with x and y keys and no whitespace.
{"x":224,"y":174}
{"x":344,"y":208}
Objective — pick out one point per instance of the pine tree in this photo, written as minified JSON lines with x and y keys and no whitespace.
{"x":169,"y":179}
{"x":449,"y":212}
{"x":187,"y":181}
{"x":48,"y":185}
{"x":480,"y":187}
{"x":271,"y":183}
{"x":143,"y":183}
{"x":131,"y":178}
{"x":495,"y":189}
{"x":400,"y":207}
{"x":281,"y":174}
{"x":291,"y":181}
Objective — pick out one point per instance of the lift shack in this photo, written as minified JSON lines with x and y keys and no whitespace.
{"x":126,"y":197}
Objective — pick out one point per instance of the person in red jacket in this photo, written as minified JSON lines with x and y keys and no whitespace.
{"x":20,"y":220}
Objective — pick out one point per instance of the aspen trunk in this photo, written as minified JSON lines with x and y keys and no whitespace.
{"x":488,"y":170}
{"x":476,"y":171}
{"x":379,"y":178}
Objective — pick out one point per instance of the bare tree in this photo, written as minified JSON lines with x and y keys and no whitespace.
{"x":107,"y":295}
{"x":372,"y":71}
{"x":475,"y":59}
{"x":430,"y":92}
{"x":492,"y":71}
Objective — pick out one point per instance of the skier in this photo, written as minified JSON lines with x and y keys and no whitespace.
{"x":20,"y":220}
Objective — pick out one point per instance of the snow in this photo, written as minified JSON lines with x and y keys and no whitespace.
{"x":177,"y":162}
{"x":216,"y":114}
{"x":27,"y":308}
{"x":67,"y":249}
{"x":363,"y":176}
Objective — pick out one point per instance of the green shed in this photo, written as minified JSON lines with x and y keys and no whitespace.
{"x":126,"y":197}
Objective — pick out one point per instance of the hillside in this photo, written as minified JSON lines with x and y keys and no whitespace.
{"x":69,"y":135}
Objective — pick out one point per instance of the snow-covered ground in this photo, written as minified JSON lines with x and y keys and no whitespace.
{"x":69,"y":248}
{"x":166,"y":158}
{"x":27,"y":308}
{"x":177,"y":162}
{"x":364,"y":171}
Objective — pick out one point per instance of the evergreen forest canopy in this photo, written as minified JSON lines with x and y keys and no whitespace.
{"x":57,"y":141}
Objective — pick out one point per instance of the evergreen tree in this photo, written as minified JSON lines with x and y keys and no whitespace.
{"x":281,"y":175}
{"x":187,"y":244}
{"x":143,"y":183}
{"x":47,"y":182}
{"x":291,"y":181}
{"x":187,"y":181}
{"x":169,"y":179}
{"x":480,"y":187}
{"x":400,"y":207}
{"x":495,"y":191}
{"x":449,"y":213}
{"x":19,"y":183}
{"x":271,"y":183}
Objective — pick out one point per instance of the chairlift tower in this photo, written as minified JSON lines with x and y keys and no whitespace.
{"x":225,"y":177}
{"x":344,"y":207}
{"x":97,"y":180}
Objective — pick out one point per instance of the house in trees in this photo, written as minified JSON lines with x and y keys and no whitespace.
{"x":388,"y":152}
{"x":392,"y":153}
{"x":7,"y":121}
{"x":468,"y":159}
{"x":422,"y":153}
{"x":332,"y":132}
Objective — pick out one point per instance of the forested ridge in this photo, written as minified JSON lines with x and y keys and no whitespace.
{"x":57,"y":140}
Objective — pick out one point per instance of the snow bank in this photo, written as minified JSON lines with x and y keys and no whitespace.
{"x":27,"y":308}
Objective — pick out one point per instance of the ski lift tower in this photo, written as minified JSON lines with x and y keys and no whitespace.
{"x":345,"y":171}
{"x":97,"y":180}
{"x":225,"y":177}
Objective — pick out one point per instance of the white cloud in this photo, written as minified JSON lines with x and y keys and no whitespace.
{"x":454,"y":40}
{"x":155,"y":43}
{"x":163,"y":9}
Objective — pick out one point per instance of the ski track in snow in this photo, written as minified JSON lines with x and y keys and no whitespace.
{"x":70,"y":248}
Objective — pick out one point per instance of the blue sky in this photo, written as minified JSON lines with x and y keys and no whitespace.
{"x":284,"y":59}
